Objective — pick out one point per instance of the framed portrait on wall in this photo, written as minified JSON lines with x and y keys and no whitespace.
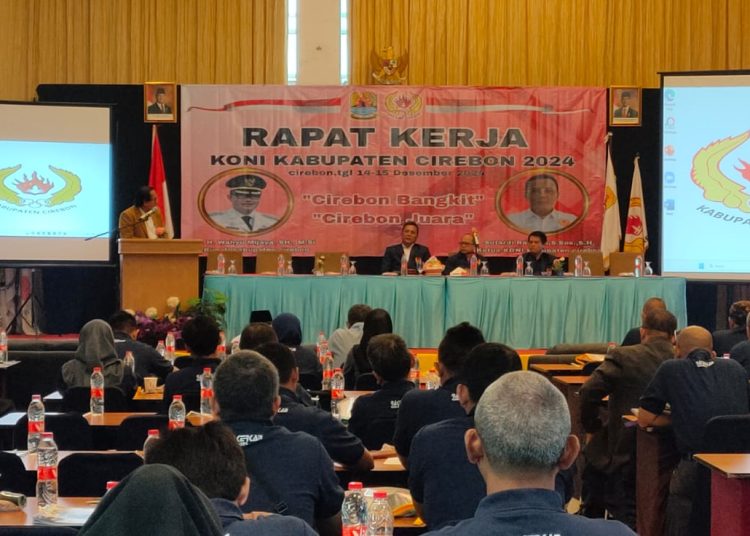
{"x":625,"y":106}
{"x":160,"y":102}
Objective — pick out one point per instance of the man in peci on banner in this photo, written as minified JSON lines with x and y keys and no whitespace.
{"x":625,"y":109}
{"x":160,"y":105}
{"x":542,"y":192}
{"x":244,"y":194}
{"x":143,"y":219}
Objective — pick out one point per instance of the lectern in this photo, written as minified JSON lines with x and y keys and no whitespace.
{"x":153,"y":270}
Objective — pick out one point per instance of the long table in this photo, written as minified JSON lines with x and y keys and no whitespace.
{"x":524,"y":312}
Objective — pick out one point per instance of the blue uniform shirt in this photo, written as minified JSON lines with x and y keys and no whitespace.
{"x":235,"y":525}
{"x":374,"y":416}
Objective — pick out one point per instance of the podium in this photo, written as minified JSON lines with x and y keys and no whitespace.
{"x":153,"y":270}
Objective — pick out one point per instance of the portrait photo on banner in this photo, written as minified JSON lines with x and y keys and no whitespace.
{"x":625,"y":106}
{"x":160,"y":102}
{"x":245,"y":201}
{"x":542,"y":199}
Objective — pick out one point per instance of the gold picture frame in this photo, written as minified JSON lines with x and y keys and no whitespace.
{"x":160,"y":102}
{"x":625,"y":106}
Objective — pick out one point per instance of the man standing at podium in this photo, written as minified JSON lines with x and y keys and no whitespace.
{"x":143,"y":219}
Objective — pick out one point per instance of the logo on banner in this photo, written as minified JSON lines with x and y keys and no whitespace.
{"x":364,"y":105}
{"x":38,"y":191}
{"x":403,"y":105}
{"x":716,"y":185}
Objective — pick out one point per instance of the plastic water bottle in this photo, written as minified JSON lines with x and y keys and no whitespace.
{"x":344,"y":265}
{"x":151,"y":438}
{"x":433,"y":380}
{"x":161,"y":349}
{"x":337,"y":392}
{"x":578,"y":263}
{"x":280,"y":264}
{"x":3,"y":346}
{"x":235,"y":346}
{"x":129,"y":362}
{"x":354,"y":511}
{"x":207,"y":391}
{"x":36,"y":423}
{"x":176,"y":413}
{"x":220,"y":263}
{"x":473,"y":265}
{"x":327,"y":371}
{"x":322,"y":346}
{"x":638,"y":266}
{"x":404,"y":264}
{"x":221,"y":349}
{"x":414,"y":372}
{"x":232,"y":267}
{"x":46,"y":476}
{"x":96,"y":402}
{"x":519,"y":266}
{"x":380,"y":516}
{"x":169,"y":346}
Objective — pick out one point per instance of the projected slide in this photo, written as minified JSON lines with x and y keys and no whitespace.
{"x":55,"y":183}
{"x":706,"y":176}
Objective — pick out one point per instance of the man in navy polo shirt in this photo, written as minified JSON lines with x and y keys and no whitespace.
{"x":697,"y":386}
{"x":296,"y":415}
{"x":521,"y":440}
{"x":291,"y":471}
{"x":420,"y":408}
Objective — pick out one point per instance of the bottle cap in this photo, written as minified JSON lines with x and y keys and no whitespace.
{"x":177,"y":397}
{"x":153,"y":432}
{"x":36,"y":397}
{"x":355,"y":485}
{"x":97,"y":369}
{"x":380,"y":494}
{"x":47,"y":435}
{"x":207,"y":369}
{"x":111,"y":484}
{"x":337,"y":369}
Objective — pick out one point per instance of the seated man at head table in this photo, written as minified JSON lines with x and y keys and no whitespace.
{"x":462,"y":259}
{"x":292,"y":471}
{"x":211,"y":459}
{"x":148,"y":362}
{"x":520,"y":441}
{"x":409,"y":247}
{"x":143,"y":219}
{"x":540,"y":260}
{"x":420,"y":408}
{"x":697,"y":386}
{"x":299,"y":415}
{"x":374,"y":415}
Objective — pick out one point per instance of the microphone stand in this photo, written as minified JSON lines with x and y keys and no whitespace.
{"x":118,"y":228}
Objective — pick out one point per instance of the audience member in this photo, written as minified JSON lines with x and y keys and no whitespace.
{"x":96,"y":348}
{"x":377,"y":322}
{"x":540,"y":260}
{"x":420,"y":408}
{"x":343,"y":340}
{"x":211,"y":459}
{"x":153,"y":499}
{"x":726,"y":339}
{"x":697,"y":387}
{"x":201,"y":336}
{"x":438,"y":461}
{"x":256,"y":334}
{"x":634,"y":335}
{"x":521,"y":440}
{"x":373,"y":417}
{"x":298,"y":415}
{"x":462,"y":259}
{"x":289,"y":332}
{"x":741,"y":352}
{"x":292,"y":472}
{"x":610,"y":451}
{"x":409,"y":247}
{"x":148,"y":362}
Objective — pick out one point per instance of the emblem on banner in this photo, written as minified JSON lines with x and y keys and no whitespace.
{"x":364,"y":105}
{"x":403,"y":105}
{"x":37,"y":191}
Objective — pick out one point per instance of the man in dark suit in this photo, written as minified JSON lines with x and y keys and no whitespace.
{"x":408,"y":247}
{"x":610,"y":450}
{"x":541,"y":261}
{"x":726,"y":339}
{"x":160,"y":106}
{"x":625,"y":109}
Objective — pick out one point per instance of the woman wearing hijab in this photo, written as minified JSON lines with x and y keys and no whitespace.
{"x":377,"y":322}
{"x":289,"y":331}
{"x":96,"y":348}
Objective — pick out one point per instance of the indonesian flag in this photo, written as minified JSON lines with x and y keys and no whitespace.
{"x":636,"y":233}
{"x":611,"y":228}
{"x":157,"y":180}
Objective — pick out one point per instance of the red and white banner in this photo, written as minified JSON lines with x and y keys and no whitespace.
{"x":311,"y":169}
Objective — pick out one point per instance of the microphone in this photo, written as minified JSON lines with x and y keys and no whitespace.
{"x":475,"y":237}
{"x":148,"y":214}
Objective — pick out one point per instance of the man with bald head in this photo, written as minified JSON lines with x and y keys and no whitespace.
{"x":697,"y":386}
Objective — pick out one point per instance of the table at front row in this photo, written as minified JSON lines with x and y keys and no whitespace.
{"x":524,"y":312}
{"x":730,"y":492}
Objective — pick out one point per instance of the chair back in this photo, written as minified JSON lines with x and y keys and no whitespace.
{"x":72,"y":431}
{"x":78,"y":398}
{"x":595,"y":260}
{"x":86,"y":474}
{"x":331,"y":260}
{"x":311,"y":382}
{"x":229,"y":255}
{"x":366,"y":382}
{"x":266,"y":261}
{"x":13,"y":475}
{"x":728,"y":434}
{"x":621,"y":262}
{"x":378,"y":432}
{"x":133,"y":430}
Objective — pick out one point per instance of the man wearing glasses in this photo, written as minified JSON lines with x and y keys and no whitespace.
{"x":462,"y":259}
{"x":244,"y":194}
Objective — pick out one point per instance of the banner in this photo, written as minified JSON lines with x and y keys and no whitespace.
{"x":636,"y":231}
{"x":314,"y":169}
{"x":611,"y":228}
